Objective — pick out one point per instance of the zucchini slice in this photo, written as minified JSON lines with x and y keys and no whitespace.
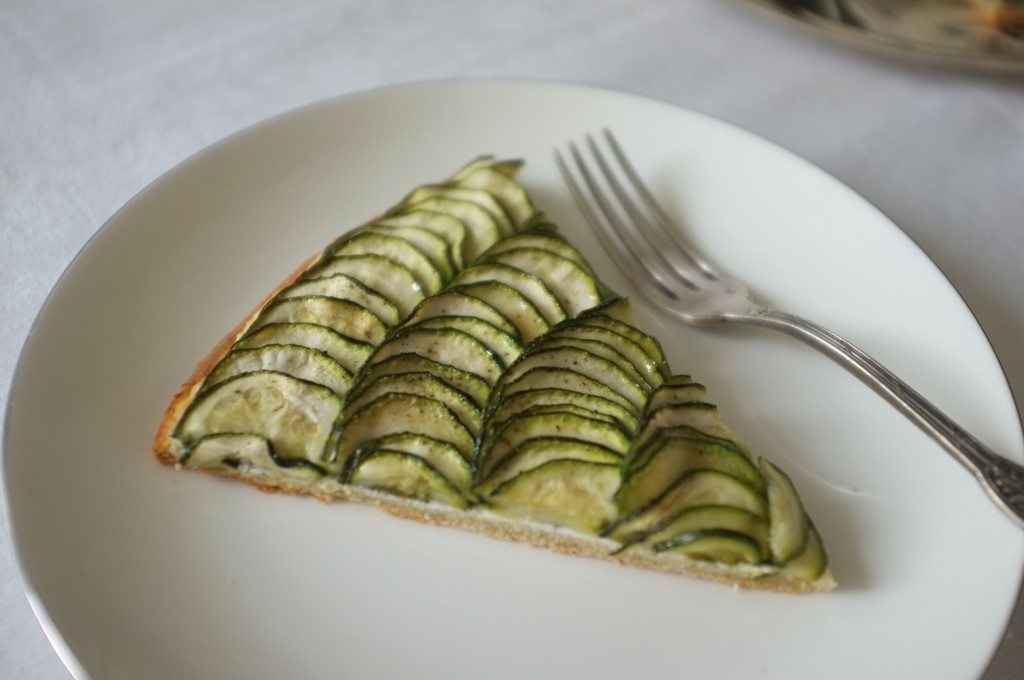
{"x":646,"y":365}
{"x":575,"y":289}
{"x":511,"y":304}
{"x":441,"y":456}
{"x":498,"y":183}
{"x":676,"y":390}
{"x":367,"y":241}
{"x":455,"y":303}
{"x":421,"y":384}
{"x":698,"y":415}
{"x":249,"y":452}
{"x":510,"y":167}
{"x":351,"y":354}
{"x":587,"y":363}
{"x":512,"y":433}
{"x":400,"y":413}
{"x":543,"y":239}
{"x":536,"y":452}
{"x":503,"y":345}
{"x":513,"y":404}
{"x":448,"y":346}
{"x":295,"y":416}
{"x":789,"y":524}
{"x":481,"y":228}
{"x":715,"y":545}
{"x":458,"y":192}
{"x":531,"y":287}
{"x":710,"y":517}
{"x":497,"y":417}
{"x":674,"y":453}
{"x":448,"y":227}
{"x":544,"y":377}
{"x":391,"y":279}
{"x":408,"y":362}
{"x":402,"y":474}
{"x":695,"y":488}
{"x":599,"y":348}
{"x":569,"y":493}
{"x":345,"y":287}
{"x":605,"y":317}
{"x":294,"y":360}
{"x":812,"y":562}
{"x":344,"y":316}
{"x":433,"y":246}
{"x":618,"y":309}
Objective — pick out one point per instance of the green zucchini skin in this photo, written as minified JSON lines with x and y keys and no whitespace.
{"x":458,"y":352}
{"x":459,"y":328}
{"x":326,"y":326}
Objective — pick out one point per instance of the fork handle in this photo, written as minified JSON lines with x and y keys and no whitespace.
{"x":1001,"y":478}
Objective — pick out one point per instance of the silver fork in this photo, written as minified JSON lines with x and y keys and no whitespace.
{"x":651,"y":252}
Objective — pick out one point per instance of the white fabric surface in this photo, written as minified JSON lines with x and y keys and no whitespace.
{"x":100,"y":98}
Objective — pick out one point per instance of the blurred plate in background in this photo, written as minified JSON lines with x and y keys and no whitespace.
{"x":947,"y":30}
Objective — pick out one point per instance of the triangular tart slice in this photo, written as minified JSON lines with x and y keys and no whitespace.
{"x":457,"y":361}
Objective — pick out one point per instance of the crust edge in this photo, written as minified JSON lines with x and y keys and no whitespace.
{"x":163,"y":446}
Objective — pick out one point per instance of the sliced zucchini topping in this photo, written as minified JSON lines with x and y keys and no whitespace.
{"x":482,"y":230}
{"x":351,"y":354}
{"x":455,"y":303}
{"x":421,"y":384}
{"x":564,"y":492}
{"x":448,"y":346}
{"x":251,"y":453}
{"x":444,"y":225}
{"x":529,"y":286}
{"x":587,"y":363}
{"x":689,"y":488}
{"x":510,"y":304}
{"x":560,"y":421}
{"x":495,"y":179}
{"x":388,"y":277}
{"x":400,"y":414}
{"x":557,"y":398}
{"x":457,"y":350}
{"x":473,"y":197}
{"x":405,"y":474}
{"x":346,"y":287}
{"x":463,"y":381}
{"x":544,"y":239}
{"x":575,"y":289}
{"x":295,"y":360}
{"x":441,"y":456}
{"x":344,"y":316}
{"x":277,"y":395}
{"x":458,"y":329}
{"x":370,"y":241}
{"x":294,"y":415}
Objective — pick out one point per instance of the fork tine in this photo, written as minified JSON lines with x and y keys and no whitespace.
{"x":669,"y":235}
{"x":609,"y":228}
{"x":637,"y":226}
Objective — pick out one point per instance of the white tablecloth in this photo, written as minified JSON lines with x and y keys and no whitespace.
{"x":98,"y":99}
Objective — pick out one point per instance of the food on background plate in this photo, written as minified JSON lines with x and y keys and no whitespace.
{"x":457,"y":361}
{"x":1007,"y":15}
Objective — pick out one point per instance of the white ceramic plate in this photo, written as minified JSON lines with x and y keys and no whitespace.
{"x":139,"y":571}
